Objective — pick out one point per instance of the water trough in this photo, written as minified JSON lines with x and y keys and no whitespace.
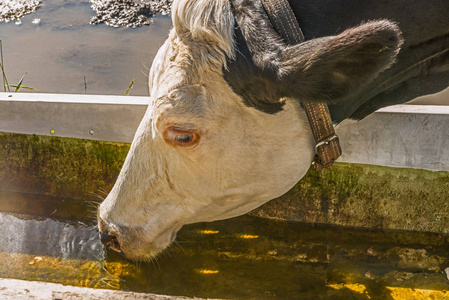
{"x":389,"y":202}
{"x":373,"y":226}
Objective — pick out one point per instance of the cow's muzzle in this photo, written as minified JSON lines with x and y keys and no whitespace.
{"x":108,"y":237}
{"x":110,"y":241}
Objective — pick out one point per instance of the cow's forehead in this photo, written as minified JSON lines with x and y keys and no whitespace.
{"x":169,"y":67}
{"x":180,"y":81}
{"x":183,"y":59}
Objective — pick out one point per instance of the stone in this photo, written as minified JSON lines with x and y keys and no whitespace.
{"x":15,"y":9}
{"x":127,"y":13}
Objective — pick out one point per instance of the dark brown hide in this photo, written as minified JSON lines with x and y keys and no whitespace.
{"x":341,"y":69}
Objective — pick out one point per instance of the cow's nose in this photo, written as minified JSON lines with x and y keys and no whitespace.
{"x":110,"y":241}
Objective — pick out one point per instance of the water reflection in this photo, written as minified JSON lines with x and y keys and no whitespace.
{"x":46,"y":237}
{"x":246,"y":257}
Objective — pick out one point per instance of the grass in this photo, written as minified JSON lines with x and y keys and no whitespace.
{"x":6,"y":86}
{"x":5,"y":80}
{"x":131,"y":84}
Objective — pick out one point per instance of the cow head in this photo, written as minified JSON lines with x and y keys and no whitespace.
{"x":201,"y":153}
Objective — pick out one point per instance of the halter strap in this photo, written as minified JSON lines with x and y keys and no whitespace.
{"x":327,"y":145}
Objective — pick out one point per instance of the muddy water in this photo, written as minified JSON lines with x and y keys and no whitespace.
{"x":246,"y":257}
{"x":63,"y":48}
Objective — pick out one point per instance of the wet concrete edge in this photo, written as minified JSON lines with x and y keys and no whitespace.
{"x":21,"y":289}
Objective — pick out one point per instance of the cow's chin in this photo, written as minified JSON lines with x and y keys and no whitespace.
{"x":139,"y":244}
{"x":139,"y":248}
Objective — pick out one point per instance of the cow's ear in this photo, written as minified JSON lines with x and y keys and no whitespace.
{"x":333,"y":68}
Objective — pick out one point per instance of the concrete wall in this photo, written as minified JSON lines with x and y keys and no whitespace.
{"x":367,"y":192}
{"x":412,"y":136}
{"x":94,"y":117}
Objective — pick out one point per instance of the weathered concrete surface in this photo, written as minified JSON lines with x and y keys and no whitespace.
{"x":96,"y":117}
{"x":128,"y":13}
{"x":346,"y":194}
{"x":15,"y":9}
{"x":412,"y":136}
{"x":367,"y":196}
{"x":11,"y":289}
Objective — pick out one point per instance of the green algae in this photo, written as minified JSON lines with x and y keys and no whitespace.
{"x":346,"y":194}
{"x":369,"y":196}
{"x":59,"y":166}
{"x":281,"y":260}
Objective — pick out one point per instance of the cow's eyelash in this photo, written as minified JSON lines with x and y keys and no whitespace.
{"x":182,"y":138}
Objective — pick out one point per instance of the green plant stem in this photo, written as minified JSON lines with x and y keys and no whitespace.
{"x":131,"y":84}
{"x":5,"y":80}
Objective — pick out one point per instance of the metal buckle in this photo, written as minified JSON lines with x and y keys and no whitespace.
{"x":319,"y":162}
{"x":325,"y":141}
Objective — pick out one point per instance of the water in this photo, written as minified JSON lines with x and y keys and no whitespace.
{"x":63,"y":49}
{"x":54,"y":239}
{"x":245,"y":257}
{"x":46,"y":237}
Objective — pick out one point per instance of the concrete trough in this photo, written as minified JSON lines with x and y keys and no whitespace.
{"x":406,"y":136}
{"x":369,"y":187}
{"x":34,"y":290}
{"x":409,"y":136}
{"x":93,"y":117}
{"x":393,"y":175}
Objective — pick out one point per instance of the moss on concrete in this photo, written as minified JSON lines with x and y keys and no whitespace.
{"x":369,"y":196}
{"x":59,"y":166}
{"x":346,"y":194}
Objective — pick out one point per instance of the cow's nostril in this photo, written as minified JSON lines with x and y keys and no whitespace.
{"x":110,"y":241}
{"x":105,"y":237}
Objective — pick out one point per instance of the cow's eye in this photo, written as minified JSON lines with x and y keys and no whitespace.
{"x":181,"y":137}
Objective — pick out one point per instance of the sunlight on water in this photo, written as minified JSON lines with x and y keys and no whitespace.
{"x":244,"y":258}
{"x":208,"y":231}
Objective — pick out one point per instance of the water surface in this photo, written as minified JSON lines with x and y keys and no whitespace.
{"x":64,"y":48}
{"x":245,"y":257}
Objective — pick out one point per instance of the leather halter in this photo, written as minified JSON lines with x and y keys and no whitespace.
{"x":327,"y":145}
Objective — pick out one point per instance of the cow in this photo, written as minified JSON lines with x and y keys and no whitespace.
{"x":225,"y":132}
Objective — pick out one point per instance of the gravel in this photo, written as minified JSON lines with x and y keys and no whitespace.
{"x":128,"y":13}
{"x":116,"y":13}
{"x":15,"y":9}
